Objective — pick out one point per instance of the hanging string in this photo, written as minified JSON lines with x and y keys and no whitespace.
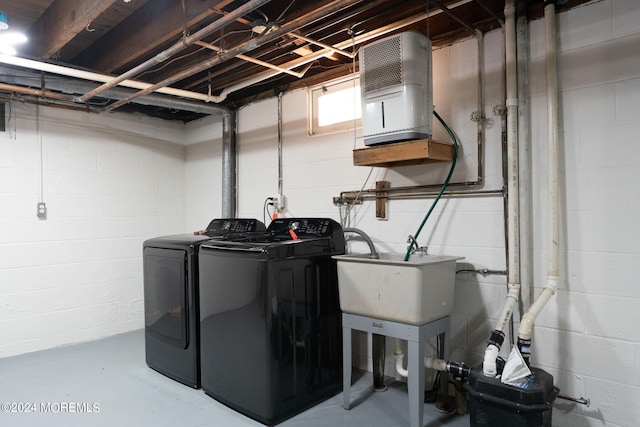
{"x":185,"y":30}
{"x":428,"y":19}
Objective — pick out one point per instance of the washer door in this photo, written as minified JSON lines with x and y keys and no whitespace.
{"x":165,"y":295}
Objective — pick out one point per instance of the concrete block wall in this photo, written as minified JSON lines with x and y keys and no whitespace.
{"x":109,"y":182}
{"x":587,"y":336}
{"x":112,"y":181}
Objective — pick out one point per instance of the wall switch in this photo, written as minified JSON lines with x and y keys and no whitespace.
{"x":42,"y":210}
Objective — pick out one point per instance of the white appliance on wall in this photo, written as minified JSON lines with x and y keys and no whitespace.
{"x":397,"y":89}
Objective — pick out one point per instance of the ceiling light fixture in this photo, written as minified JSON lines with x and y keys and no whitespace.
{"x":3,"y":21}
{"x":9,"y":38}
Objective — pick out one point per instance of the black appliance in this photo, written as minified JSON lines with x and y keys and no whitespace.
{"x":270,"y":325}
{"x":170,"y":265}
{"x":529,"y":404}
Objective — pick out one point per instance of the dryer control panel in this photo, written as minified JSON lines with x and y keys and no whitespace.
{"x":234,"y":225}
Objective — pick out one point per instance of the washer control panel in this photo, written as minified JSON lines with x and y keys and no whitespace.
{"x":299,"y":228}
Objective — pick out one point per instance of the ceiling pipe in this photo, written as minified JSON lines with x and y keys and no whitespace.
{"x":253,"y":60}
{"x":89,"y":75}
{"x":363,"y":7}
{"x":16,"y":77}
{"x":92,"y":76}
{"x":330,"y":48}
{"x":35,"y":92}
{"x":179,"y":46}
{"x":362,"y":38}
{"x":248,"y":46}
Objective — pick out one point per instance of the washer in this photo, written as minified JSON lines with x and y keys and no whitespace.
{"x":270,"y":318}
{"x":170,"y":265}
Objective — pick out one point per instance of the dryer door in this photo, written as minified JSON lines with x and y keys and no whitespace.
{"x":165,"y":295}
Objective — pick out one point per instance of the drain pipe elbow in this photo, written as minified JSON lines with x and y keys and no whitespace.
{"x":217,"y":99}
{"x":399,"y":365}
{"x":528,"y":320}
{"x":490,"y":364}
{"x":365,"y":236}
{"x":399,"y":355}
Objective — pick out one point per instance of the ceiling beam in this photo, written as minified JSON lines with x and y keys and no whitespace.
{"x":61,"y":22}
{"x":149,"y":27}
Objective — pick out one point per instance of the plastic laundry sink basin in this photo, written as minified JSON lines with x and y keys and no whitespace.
{"x":415,"y":292}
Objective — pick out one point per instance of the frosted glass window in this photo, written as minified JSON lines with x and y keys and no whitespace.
{"x":334,"y":107}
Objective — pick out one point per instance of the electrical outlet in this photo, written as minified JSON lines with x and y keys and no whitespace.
{"x":42,"y":210}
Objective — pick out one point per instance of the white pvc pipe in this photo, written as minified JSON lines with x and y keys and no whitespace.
{"x":553,"y":274}
{"x":552,"y":113}
{"x":97,"y":77}
{"x":399,"y":355}
{"x":437,"y":364}
{"x":513,"y":226}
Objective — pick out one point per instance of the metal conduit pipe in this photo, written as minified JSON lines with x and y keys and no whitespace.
{"x":423,"y":194}
{"x":182,"y":44}
{"x":229,"y":165}
{"x":248,"y":46}
{"x":280,"y":167}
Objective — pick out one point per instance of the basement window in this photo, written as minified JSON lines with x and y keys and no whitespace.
{"x":334,"y":106}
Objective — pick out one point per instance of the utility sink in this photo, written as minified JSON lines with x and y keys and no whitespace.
{"x":415,"y":292}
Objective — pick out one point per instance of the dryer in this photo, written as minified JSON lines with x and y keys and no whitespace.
{"x":170,"y":265}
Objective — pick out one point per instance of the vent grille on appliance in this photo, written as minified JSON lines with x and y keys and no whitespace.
{"x":383,"y":64}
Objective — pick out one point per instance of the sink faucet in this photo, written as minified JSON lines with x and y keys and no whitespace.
{"x":413,"y":245}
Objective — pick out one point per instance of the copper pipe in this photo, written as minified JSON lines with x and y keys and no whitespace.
{"x":36,"y":92}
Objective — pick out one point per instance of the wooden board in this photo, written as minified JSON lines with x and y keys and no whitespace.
{"x":403,"y":153}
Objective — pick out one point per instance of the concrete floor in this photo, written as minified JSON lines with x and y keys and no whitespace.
{"x":107,"y":383}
